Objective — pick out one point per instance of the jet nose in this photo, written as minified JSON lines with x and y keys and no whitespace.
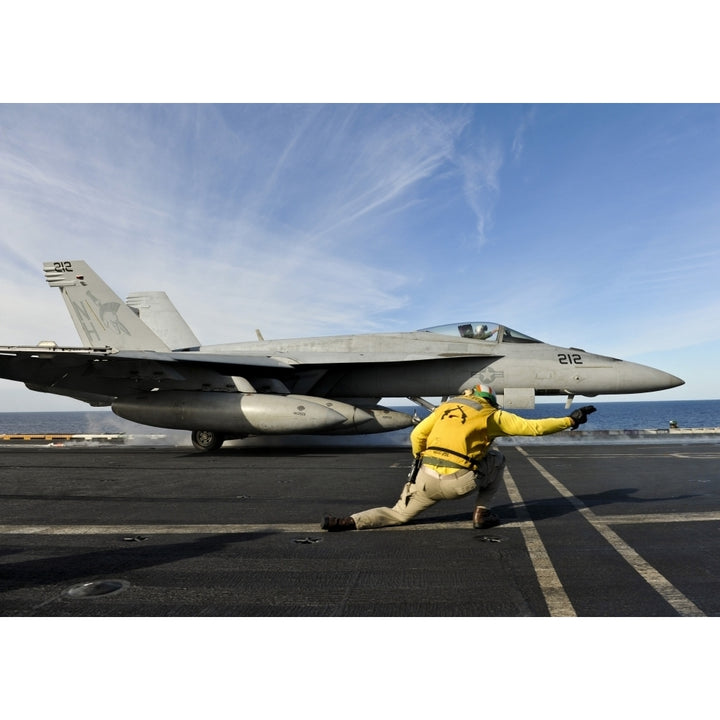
{"x":673,"y":381}
{"x":648,"y":379}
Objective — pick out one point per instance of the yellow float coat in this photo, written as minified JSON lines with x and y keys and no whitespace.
{"x":462,"y":429}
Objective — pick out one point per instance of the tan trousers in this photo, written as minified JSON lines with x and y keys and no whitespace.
{"x":430,"y":487}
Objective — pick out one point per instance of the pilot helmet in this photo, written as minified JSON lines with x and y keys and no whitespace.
{"x":486,"y":393}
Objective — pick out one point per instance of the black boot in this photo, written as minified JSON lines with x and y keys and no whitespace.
{"x":337,"y":524}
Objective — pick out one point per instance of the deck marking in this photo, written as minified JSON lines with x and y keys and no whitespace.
{"x":613,"y":453}
{"x":217,"y":529}
{"x":661,"y":518}
{"x":214,"y":529}
{"x":556,"y":598}
{"x":683,"y":605}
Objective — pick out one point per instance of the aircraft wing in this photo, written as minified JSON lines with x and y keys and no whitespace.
{"x":98,"y":375}
{"x":231,"y":363}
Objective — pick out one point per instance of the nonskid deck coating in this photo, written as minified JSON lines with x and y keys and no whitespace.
{"x":589,"y":530}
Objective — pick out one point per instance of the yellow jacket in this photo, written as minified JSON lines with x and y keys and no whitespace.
{"x":462,"y":429}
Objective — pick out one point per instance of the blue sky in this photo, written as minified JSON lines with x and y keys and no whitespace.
{"x":587,"y":225}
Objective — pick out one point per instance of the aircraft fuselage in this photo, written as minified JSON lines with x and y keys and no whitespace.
{"x":142,"y":359}
{"x":410,"y":366}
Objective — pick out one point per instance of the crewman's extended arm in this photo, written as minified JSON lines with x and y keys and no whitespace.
{"x":505,"y":423}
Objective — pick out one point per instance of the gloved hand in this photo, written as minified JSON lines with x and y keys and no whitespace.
{"x":579,"y":416}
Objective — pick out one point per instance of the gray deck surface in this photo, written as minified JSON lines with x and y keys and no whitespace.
{"x":626,"y":530}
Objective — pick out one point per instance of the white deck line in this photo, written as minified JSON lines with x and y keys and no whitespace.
{"x":683,"y":605}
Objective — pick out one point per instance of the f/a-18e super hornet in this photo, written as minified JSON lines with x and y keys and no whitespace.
{"x":141,"y":359}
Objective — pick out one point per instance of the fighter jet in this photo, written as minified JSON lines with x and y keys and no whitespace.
{"x":141,"y":359}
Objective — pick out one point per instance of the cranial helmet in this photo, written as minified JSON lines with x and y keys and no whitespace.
{"x":485,"y":392}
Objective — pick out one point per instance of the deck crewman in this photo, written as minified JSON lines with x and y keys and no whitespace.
{"x":453,"y":458}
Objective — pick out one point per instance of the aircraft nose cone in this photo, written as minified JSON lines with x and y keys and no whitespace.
{"x":648,"y":379}
{"x":663,"y":380}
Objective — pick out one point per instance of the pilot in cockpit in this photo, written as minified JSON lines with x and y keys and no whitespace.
{"x":482,"y":332}
{"x":479,"y":332}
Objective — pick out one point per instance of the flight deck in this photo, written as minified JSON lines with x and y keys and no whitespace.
{"x":589,"y":530}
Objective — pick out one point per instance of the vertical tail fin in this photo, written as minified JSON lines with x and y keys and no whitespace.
{"x":161,"y":316}
{"x":100,"y":316}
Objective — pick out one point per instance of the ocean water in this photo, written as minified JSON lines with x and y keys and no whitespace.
{"x":637,"y":415}
{"x":609,"y":416}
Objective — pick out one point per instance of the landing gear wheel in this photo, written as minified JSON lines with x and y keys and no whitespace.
{"x":207,"y":440}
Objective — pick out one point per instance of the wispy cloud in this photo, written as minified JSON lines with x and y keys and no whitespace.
{"x":480,"y":169}
{"x":283,"y":205}
{"x":518,"y":142}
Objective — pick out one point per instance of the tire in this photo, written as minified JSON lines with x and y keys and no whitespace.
{"x":207,"y":440}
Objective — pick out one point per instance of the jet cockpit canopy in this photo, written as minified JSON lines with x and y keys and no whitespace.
{"x":482,"y":330}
